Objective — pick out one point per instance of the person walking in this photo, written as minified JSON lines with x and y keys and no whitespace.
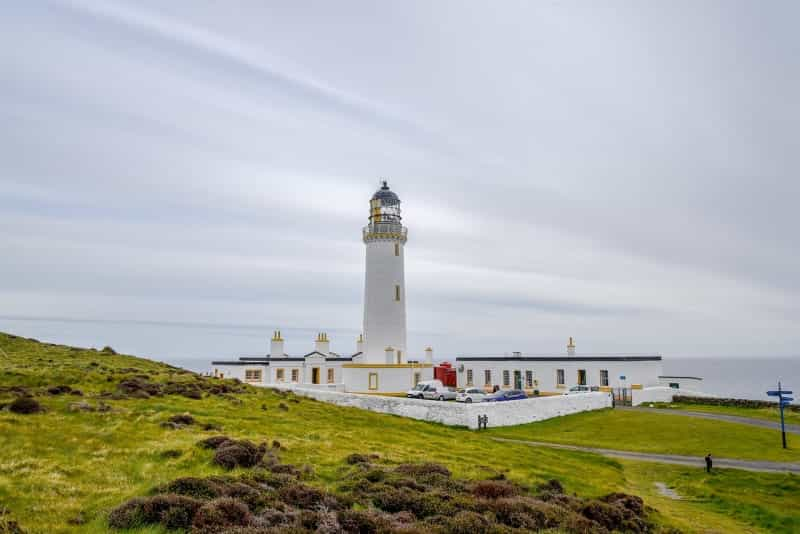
{"x":708,"y":462}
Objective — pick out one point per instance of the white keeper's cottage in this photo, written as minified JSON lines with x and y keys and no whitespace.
{"x":381,"y":362}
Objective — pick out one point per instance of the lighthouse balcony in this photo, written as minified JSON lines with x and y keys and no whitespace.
{"x":379,"y":231}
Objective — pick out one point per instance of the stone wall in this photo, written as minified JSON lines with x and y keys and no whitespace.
{"x":460,"y":414}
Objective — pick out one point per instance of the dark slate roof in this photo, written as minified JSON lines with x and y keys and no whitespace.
{"x":587,"y":358}
{"x":386,"y":196}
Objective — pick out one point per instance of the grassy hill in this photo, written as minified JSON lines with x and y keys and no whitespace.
{"x":65,"y":469}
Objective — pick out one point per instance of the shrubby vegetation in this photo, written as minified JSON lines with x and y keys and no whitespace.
{"x":373,"y":497}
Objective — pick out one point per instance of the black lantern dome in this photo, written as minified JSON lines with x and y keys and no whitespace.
{"x":386,"y":195}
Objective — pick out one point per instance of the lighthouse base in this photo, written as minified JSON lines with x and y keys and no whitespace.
{"x":384,"y":378}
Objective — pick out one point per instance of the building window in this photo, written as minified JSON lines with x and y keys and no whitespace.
{"x":487,"y":377}
{"x":506,"y":378}
{"x":397,"y":249}
{"x":279,"y":375}
{"x":252,"y":375}
{"x":330,"y":376}
{"x":528,"y":379}
{"x":397,"y":293}
{"x":469,"y":377}
{"x":295,"y":375}
{"x":373,"y":381}
{"x":417,"y":377}
{"x":581,"y":377}
{"x":603,"y":377}
{"x":559,"y":377}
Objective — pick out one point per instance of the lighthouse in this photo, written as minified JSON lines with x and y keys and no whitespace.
{"x":385,"y":237}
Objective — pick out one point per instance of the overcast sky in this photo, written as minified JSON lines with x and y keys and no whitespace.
{"x":622,"y":172}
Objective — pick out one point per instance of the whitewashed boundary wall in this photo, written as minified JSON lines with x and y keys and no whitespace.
{"x":656,"y":394}
{"x":506,"y":413}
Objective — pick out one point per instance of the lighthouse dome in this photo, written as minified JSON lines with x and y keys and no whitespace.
{"x":386,"y":195}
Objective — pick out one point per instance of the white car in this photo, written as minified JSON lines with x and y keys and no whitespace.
{"x":417,"y":391}
{"x":470,"y":395}
{"x":440,"y":393}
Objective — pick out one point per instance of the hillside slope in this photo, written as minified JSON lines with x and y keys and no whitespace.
{"x":65,"y":469}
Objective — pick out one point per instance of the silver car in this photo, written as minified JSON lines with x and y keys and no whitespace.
{"x":441,"y":393}
{"x":471,"y":395}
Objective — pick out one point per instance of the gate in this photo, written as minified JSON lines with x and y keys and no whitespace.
{"x":622,"y":397}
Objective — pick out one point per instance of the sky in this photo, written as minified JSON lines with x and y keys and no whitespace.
{"x":623,"y":172}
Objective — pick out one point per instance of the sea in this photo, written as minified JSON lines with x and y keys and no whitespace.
{"x":194,"y":345}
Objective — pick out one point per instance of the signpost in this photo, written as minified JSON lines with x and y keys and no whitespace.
{"x":783,"y":401}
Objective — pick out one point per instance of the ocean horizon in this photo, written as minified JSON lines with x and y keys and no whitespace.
{"x":193,"y":346}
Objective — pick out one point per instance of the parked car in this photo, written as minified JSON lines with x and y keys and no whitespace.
{"x":506,"y":395}
{"x":417,"y":391}
{"x":470,"y":395}
{"x":577,"y":389}
{"x":440,"y":393}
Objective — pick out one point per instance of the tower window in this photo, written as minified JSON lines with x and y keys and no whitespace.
{"x":373,"y":381}
{"x":397,"y":249}
{"x":397,"y":293}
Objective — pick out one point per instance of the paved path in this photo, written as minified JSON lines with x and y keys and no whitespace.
{"x":763,"y":423}
{"x":694,"y":461}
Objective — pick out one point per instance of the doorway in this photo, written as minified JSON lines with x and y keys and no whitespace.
{"x":581,"y":377}
{"x":315,"y":375}
{"x":517,"y":379}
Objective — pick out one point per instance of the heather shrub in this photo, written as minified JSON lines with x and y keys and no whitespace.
{"x":494,"y":489}
{"x":306,"y":497}
{"x":467,"y":522}
{"x":213,"y":442}
{"x":182,"y":419}
{"x":199,"y":488}
{"x":241,"y":453}
{"x":173,"y":511}
{"x":364,"y":521}
{"x":607,"y":515}
{"x":219,"y":514}
{"x":357,"y":458}
{"x":25,"y":405}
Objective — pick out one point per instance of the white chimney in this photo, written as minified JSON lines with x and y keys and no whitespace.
{"x":571,"y":347}
{"x":276,"y":345}
{"x":429,"y":356}
{"x":322,"y":344}
{"x":389,"y":355}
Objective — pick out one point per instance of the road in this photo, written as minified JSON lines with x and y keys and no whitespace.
{"x":694,"y":461}
{"x":763,"y":423}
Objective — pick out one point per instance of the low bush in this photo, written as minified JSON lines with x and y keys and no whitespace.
{"x":173,"y":511}
{"x":220,"y":514}
{"x":238,"y":453}
{"x":199,"y":488}
{"x":25,"y":405}
{"x":494,"y":489}
{"x":182,"y":419}
{"x":213,"y":442}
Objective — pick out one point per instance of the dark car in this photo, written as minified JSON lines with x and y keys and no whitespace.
{"x":506,"y":395}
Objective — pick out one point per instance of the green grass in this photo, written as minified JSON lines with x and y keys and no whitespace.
{"x":657,"y":432}
{"x":769,"y":414}
{"x":60,"y":464}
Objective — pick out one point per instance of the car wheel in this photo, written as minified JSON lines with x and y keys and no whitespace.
{"x":441,"y":397}
{"x":468,"y":400}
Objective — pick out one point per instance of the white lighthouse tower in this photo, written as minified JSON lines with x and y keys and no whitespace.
{"x":384,"y":286}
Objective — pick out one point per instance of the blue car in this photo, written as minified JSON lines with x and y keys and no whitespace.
{"x":508,"y":395}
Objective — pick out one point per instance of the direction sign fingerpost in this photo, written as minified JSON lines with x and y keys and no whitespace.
{"x":783,"y":401}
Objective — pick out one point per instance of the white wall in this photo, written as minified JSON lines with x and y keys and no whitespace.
{"x":656,"y":394}
{"x":459,"y":414}
{"x":635,"y":372}
{"x":390,"y":379}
